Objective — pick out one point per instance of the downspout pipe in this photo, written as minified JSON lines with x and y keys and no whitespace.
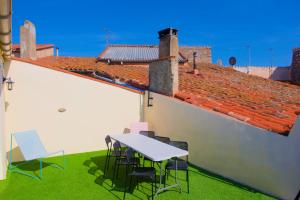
{"x":5,"y":28}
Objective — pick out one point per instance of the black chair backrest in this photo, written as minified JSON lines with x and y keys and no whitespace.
{"x":108,"y":141}
{"x":163,"y":139}
{"x":150,"y":134}
{"x":180,"y":144}
{"x":117,"y":148}
{"x":129,"y":153}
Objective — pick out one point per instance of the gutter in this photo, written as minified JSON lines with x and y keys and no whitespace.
{"x":5,"y":28}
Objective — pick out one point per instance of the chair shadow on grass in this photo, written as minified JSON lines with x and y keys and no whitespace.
{"x":32,"y":166}
{"x":96,"y":168}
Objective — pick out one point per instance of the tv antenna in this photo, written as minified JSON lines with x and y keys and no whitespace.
{"x":249,"y":57}
{"x":272,"y":56}
{"x":249,"y":54}
{"x":272,"y":60}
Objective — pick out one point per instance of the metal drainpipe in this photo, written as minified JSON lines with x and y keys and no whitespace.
{"x":5,"y":28}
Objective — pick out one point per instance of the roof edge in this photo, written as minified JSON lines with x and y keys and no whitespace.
{"x":196,"y":46}
{"x":133,"y":45}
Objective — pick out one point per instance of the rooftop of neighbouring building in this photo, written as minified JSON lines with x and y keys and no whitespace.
{"x":133,"y":53}
{"x":257,"y":101}
{"x":16,"y":47}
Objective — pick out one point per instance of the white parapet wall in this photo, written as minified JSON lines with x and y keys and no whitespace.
{"x":266,"y":161}
{"x":68,"y":111}
{"x":267,"y":72}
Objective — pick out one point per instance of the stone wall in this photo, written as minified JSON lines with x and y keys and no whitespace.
{"x":163,"y":76}
{"x":295,"y":70}
{"x":203,"y":53}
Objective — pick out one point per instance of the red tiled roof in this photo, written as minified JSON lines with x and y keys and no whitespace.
{"x":267,"y":104}
{"x":16,"y":47}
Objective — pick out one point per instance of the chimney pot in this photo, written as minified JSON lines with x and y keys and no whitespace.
{"x":168,"y":43}
{"x":167,"y":32}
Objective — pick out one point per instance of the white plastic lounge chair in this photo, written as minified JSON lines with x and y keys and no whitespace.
{"x":32,"y":149}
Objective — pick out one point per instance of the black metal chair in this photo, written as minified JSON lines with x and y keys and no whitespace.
{"x":139,"y":172}
{"x":181,"y":163}
{"x":121,"y":159}
{"x":111,"y":153}
{"x":150,"y":134}
{"x":108,"y":153}
{"x":163,"y":139}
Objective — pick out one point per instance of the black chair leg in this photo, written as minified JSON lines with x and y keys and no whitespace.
{"x":165,"y":178}
{"x":130,"y":183}
{"x":152,"y":189}
{"x":188,"y":180}
{"x":106,"y":168}
{"x":155,"y":181}
{"x":125,"y":182}
{"x":137,"y":182}
{"x":114,"y":172}
{"x":108,"y":160}
{"x":118,"y":168}
{"x":105,"y":165}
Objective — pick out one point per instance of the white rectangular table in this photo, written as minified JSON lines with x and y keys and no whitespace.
{"x":154,"y":150}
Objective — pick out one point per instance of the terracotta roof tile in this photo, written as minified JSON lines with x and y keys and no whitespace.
{"x":267,"y":104}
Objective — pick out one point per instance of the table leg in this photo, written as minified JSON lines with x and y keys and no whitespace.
{"x":160,"y":188}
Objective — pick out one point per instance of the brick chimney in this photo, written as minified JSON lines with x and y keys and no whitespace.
{"x":28,"y":41}
{"x":295,"y":69}
{"x":163,"y":73}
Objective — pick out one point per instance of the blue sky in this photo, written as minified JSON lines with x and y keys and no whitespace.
{"x":79,"y":28}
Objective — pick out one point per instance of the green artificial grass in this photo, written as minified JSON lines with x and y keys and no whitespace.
{"x":83,"y":179}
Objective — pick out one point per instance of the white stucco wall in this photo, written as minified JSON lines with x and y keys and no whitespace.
{"x":263,"y":160}
{"x":93,"y":109}
{"x":268,"y":72}
{"x":2,"y":144}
